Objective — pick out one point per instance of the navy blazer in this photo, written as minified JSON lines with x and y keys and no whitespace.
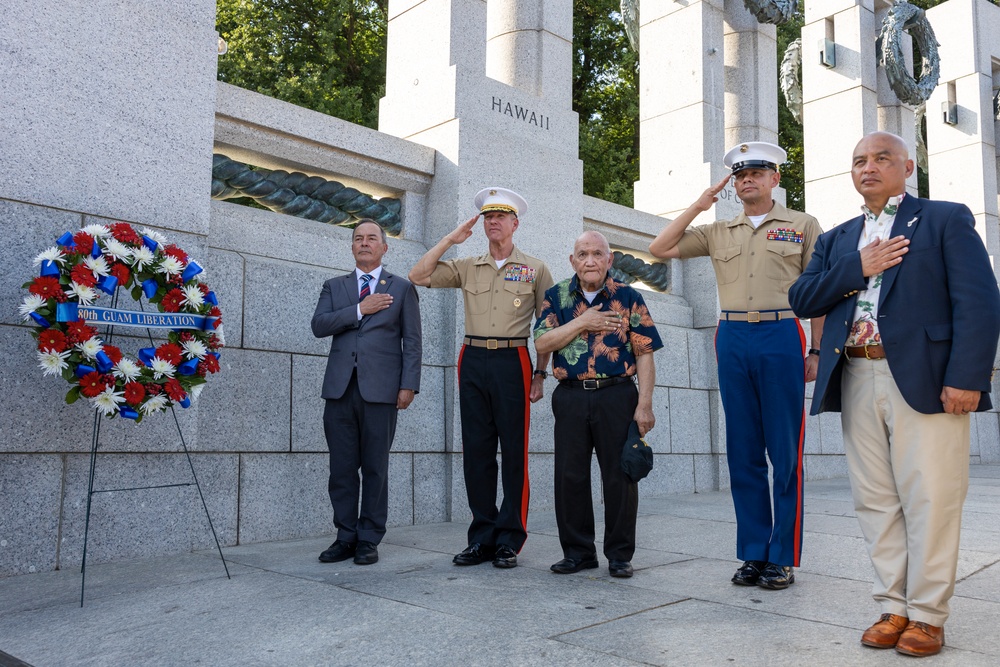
{"x":938,"y":312}
{"x":386,"y":346}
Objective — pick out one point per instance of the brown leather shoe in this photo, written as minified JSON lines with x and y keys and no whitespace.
{"x":885,"y":633}
{"x":920,"y":639}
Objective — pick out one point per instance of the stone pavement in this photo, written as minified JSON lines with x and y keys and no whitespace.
{"x":283,"y":607}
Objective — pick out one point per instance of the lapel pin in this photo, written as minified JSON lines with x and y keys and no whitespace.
{"x":910,"y":223}
{"x":382,"y":282}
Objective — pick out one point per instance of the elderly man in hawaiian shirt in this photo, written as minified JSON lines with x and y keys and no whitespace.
{"x":602,"y":338}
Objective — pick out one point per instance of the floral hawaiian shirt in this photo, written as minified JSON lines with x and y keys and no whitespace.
{"x":596,"y":355}
{"x":865,"y":329}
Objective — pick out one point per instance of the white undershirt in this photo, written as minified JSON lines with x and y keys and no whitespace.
{"x":589,"y":296}
{"x":756,"y":220}
{"x":500,"y":262}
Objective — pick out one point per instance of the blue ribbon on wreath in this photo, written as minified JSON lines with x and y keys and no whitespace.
{"x":68,"y":311}
{"x":127,"y":412}
{"x":191,"y":270}
{"x":49,"y":268}
{"x":104,"y":363}
{"x":108,"y":284}
{"x":83,"y":370}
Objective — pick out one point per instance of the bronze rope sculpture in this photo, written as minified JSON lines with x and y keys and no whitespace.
{"x":302,"y":195}
{"x":627,"y":269}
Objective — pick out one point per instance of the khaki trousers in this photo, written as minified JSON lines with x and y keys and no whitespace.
{"x":909,"y":477}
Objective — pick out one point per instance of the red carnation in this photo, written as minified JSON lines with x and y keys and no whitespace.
{"x":125,"y":233}
{"x":93,"y":384}
{"x":174,"y":251}
{"x":172,"y":300}
{"x":81,"y":275}
{"x":134,"y":393}
{"x":51,"y":340}
{"x":174,"y":390}
{"x":46,"y":287}
{"x":78,"y":332}
{"x":114,"y":354}
{"x":209,"y":365}
{"x":170,"y":352}
{"x":84,"y":242}
{"x":121,"y":272}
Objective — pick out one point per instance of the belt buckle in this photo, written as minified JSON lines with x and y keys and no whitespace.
{"x":869,"y":358}
{"x":491,"y":344}
{"x":591,"y":384}
{"x":753,"y":316}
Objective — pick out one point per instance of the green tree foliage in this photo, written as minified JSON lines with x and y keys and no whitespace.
{"x":326,"y":55}
{"x":789,"y":131}
{"x":606,"y":96}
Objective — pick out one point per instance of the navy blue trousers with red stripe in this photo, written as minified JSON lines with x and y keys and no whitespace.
{"x":493,"y":390}
{"x":762,"y":383}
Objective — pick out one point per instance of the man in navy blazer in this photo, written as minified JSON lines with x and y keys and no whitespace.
{"x":912,"y":321}
{"x":373,"y":371}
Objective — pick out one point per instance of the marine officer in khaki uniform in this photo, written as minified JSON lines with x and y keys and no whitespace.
{"x":503,"y":292}
{"x":760,"y":347}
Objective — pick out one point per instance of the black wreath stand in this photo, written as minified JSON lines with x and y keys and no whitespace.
{"x":95,"y":438}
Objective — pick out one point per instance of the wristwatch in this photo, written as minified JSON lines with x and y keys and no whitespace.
{"x":544,"y":374}
{"x":813,"y":350}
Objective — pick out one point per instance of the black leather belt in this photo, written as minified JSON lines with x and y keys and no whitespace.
{"x":597,"y":383}
{"x":496,"y":343}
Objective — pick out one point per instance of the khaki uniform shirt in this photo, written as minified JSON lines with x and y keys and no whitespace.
{"x":499,"y":303}
{"x":755,"y":267}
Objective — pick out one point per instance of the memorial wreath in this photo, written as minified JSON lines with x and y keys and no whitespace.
{"x":103,"y":259}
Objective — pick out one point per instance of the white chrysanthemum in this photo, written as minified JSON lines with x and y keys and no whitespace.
{"x":90,"y":347}
{"x":154,"y":404}
{"x":193,"y":296}
{"x":162,"y":368}
{"x":170,"y":265}
{"x":141,"y":257}
{"x":97,"y":231}
{"x":53,"y":254}
{"x":85,"y":295}
{"x":32,"y":302}
{"x":98,"y":265}
{"x":126,"y":368}
{"x":155,"y":235}
{"x":53,"y":363}
{"x":107,"y":401}
{"x":220,"y":335}
{"x":116,"y":249}
{"x":196,"y":391}
{"x":194,"y":348}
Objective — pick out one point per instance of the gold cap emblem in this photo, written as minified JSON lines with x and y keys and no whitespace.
{"x":492,"y":192}
{"x":744,"y":148}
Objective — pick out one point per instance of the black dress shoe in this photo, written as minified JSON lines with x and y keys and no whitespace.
{"x":749,"y":573}
{"x":366,"y":553}
{"x":620,"y":568}
{"x":338,"y":551}
{"x":776,"y":577}
{"x":504,"y":557}
{"x":474,"y":554}
{"x":571,"y":565}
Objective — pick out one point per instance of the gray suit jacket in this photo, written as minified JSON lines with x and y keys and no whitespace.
{"x":386,"y":345}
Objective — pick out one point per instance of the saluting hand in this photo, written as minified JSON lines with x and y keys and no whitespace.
{"x":374,"y":303}
{"x":461,"y":233}
{"x":710,"y":196}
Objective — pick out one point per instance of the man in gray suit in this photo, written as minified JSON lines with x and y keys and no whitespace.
{"x":373,"y":371}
